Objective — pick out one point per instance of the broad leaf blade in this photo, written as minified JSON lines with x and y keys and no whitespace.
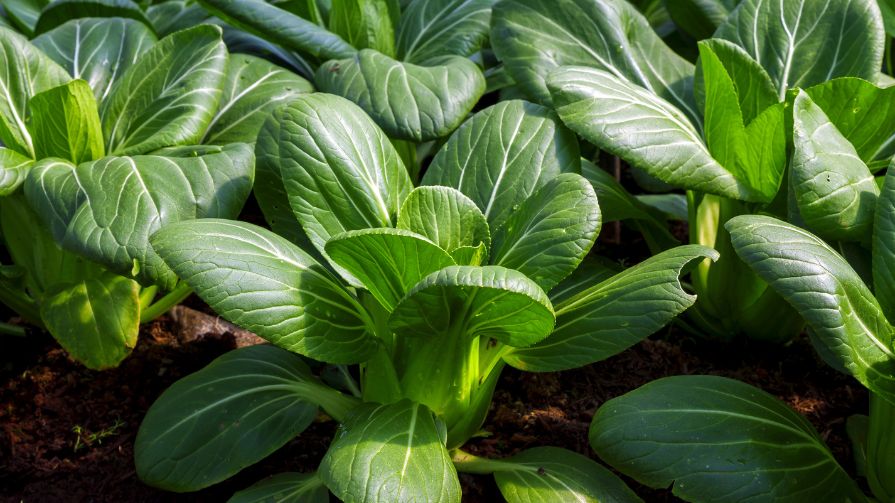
{"x":147,"y":108}
{"x":175,"y":15}
{"x":215,"y":422}
{"x":389,"y":453}
{"x":288,"y":487}
{"x":365,"y":24}
{"x":502,"y":155}
{"x":429,"y":29}
{"x":446,"y":217}
{"x":615,"y":314}
{"x":65,"y":123}
{"x":755,"y":91}
{"x":844,"y":316}
{"x":14,"y":169}
{"x":409,"y":102}
{"x":717,"y":439}
{"x":24,"y":13}
{"x":252,"y":90}
{"x":551,"y":231}
{"x":58,"y":12}
{"x":884,"y":246}
{"x":267,"y":285}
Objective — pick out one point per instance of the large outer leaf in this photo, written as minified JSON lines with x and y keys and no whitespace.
{"x":267,"y":285}
{"x":834,"y":189}
{"x":615,"y":314}
{"x":699,"y":18}
{"x":409,"y":102}
{"x":489,"y":301}
{"x":503,"y":155}
{"x":884,"y":246}
{"x":23,"y":13}
{"x":97,"y":50}
{"x":805,"y":42}
{"x":429,"y":29}
{"x":14,"y":169}
{"x":175,"y":15}
{"x":215,"y":422}
{"x":845,"y":318}
{"x":123,"y":200}
{"x":445,"y":216}
{"x":388,"y":453}
{"x":287,"y":487}
{"x":58,"y":12}
{"x":252,"y":90}
{"x":388,"y":262}
{"x":641,"y":128}
{"x":24,"y":72}
{"x":554,"y":474}
{"x":532,"y":37}
{"x":96,"y":320}
{"x":341,"y":173}
{"x":65,"y":123}
{"x":551,"y":231}
{"x":169,"y":96}
{"x":281,"y":27}
{"x":718,"y":440}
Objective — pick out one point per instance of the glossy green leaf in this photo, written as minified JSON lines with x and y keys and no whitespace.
{"x":835,"y":191}
{"x":409,"y":102}
{"x":340,"y":171}
{"x":430,"y":29}
{"x":719,"y":440}
{"x":175,"y":15}
{"x":533,"y":37}
{"x":365,"y":24}
{"x":445,"y":216}
{"x":281,"y":27}
{"x":147,"y":108}
{"x":801,"y":43}
{"x":96,"y":320}
{"x":24,"y":13}
{"x":641,"y":128}
{"x":488,"y":301}
{"x":287,"y":487}
{"x":65,"y":123}
{"x":884,"y":246}
{"x":551,"y":232}
{"x":59,"y":12}
{"x":97,"y":50}
{"x":470,"y":255}
{"x":267,"y":285}
{"x":754,"y":88}
{"x":554,"y":474}
{"x":213,"y":423}
{"x":699,"y":18}
{"x":387,"y":453}
{"x":502,"y":155}
{"x":252,"y":90}
{"x":24,"y":72}
{"x":845,"y":318}
{"x":123,"y":200}
{"x":593,"y":269}
{"x":270,"y":194}
{"x":388,"y":262}
{"x":14,"y":168}
{"x":615,"y":314}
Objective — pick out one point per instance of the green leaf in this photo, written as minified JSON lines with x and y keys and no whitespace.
{"x":844,"y":316}
{"x":270,"y":194}
{"x":884,"y":246}
{"x":287,"y":487}
{"x":860,"y":111}
{"x":96,"y":320}
{"x":533,"y":37}
{"x":267,"y":285}
{"x":65,"y":123}
{"x":470,"y":255}
{"x":717,"y":439}
{"x":502,"y":155}
{"x":446,"y":217}
{"x":551,"y":232}
{"x":554,"y":474}
{"x":24,"y":13}
{"x":58,"y":12}
{"x":643,"y":129}
{"x":800,"y":43}
{"x":147,"y":108}
{"x":699,"y":18}
{"x":14,"y":169}
{"x":234,"y":412}
{"x":97,"y":50}
{"x":754,"y":88}
{"x":430,"y":29}
{"x":175,"y":15}
{"x":388,"y":262}
{"x":834,"y":189}
{"x":24,"y":72}
{"x":593,"y":269}
{"x":409,"y":102}
{"x":121,"y":201}
{"x":615,"y":314}
{"x":488,"y":301}
{"x":280,"y":27}
{"x":252,"y":90}
{"x":387,"y":453}
{"x":364,"y":24}
{"x":340,"y":172}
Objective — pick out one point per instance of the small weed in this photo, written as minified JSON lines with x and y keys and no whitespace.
{"x":86,"y":439}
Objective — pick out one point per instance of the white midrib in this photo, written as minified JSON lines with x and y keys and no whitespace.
{"x":410,"y":432}
{"x":790,"y":50}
